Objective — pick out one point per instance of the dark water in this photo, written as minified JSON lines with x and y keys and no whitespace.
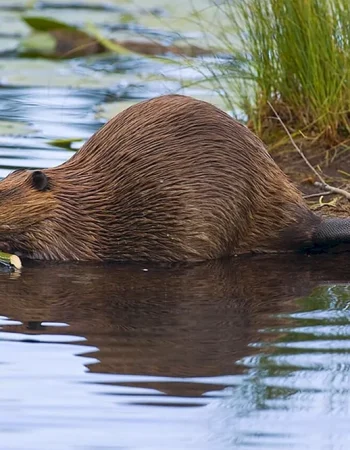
{"x":251,"y":353}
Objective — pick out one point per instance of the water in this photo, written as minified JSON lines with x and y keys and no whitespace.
{"x":248,"y":353}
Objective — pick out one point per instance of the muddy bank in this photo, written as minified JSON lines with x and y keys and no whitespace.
{"x":333,"y":164}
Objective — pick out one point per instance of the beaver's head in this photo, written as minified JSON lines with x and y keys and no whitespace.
{"x":26,"y":202}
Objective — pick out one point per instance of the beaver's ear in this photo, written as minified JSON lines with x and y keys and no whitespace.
{"x":40,"y":181}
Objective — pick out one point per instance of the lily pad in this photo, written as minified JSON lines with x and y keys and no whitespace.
{"x":49,"y":74}
{"x":88,"y":38}
{"x":77,"y":19}
{"x":56,"y":39}
{"x":8,"y":128}
{"x":42,"y":23}
{"x":108,"y":110}
{"x":37,"y":44}
{"x":196,"y":22}
{"x":65,"y":143}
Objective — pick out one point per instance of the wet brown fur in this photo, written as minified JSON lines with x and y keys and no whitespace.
{"x":169,"y":179}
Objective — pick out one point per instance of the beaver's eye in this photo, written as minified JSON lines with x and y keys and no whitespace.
{"x":40,"y":180}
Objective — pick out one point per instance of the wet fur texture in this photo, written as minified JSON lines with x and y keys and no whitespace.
{"x":168,"y":179}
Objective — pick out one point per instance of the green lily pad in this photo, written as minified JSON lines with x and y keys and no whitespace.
{"x":65,"y":143}
{"x":71,"y":17}
{"x":47,"y":73}
{"x":39,"y":43}
{"x":108,"y":110}
{"x":56,"y":39}
{"x":8,"y":128}
{"x":42,"y":23}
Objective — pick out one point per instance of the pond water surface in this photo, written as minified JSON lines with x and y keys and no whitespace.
{"x":248,"y":353}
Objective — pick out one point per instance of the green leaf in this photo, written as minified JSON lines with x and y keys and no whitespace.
{"x":127,"y":18}
{"x":38,"y":43}
{"x":64,"y":143}
{"x":8,"y":128}
{"x":46,"y":24}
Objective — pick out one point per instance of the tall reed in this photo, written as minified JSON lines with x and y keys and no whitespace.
{"x":294,"y":54}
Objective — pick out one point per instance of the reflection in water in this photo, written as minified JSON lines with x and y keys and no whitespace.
{"x":244,"y":346}
{"x":183,"y":322}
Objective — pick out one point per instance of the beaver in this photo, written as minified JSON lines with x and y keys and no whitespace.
{"x":168,"y":179}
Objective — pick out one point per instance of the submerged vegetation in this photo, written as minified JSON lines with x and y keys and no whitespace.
{"x":295,"y":55}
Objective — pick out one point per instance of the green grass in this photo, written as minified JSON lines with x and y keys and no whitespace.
{"x":294,"y":54}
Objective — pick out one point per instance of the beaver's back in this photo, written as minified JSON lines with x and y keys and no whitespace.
{"x":180,"y":177}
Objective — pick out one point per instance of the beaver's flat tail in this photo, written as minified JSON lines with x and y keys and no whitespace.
{"x":331,"y":232}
